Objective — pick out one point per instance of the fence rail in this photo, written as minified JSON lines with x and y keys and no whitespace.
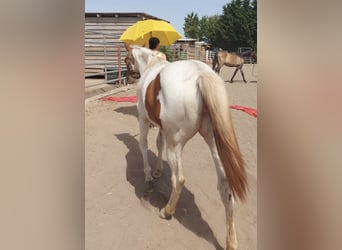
{"x":105,"y":62}
{"x":104,"y":56}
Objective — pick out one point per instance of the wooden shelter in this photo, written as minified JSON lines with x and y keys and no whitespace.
{"x":103,"y":50}
{"x":188,"y":48}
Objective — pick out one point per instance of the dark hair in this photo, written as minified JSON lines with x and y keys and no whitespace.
{"x":153,"y":42}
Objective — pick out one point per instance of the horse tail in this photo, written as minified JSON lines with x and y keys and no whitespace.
{"x":216,"y":100}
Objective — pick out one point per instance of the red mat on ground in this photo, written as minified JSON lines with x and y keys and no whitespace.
{"x":121,"y":98}
{"x":250,"y":111}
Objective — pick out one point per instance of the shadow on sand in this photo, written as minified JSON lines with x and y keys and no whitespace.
{"x":128,"y":110}
{"x":187,"y":212}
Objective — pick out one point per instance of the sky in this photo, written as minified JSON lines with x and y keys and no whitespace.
{"x":173,"y":11}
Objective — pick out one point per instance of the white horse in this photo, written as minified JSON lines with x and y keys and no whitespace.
{"x":183,"y":98}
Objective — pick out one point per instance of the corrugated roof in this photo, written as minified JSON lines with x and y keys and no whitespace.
{"x":122,"y":14}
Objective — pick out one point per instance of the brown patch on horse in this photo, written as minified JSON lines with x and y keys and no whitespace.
{"x":152,"y":104}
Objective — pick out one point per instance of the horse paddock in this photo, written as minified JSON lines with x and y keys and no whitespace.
{"x":119,"y":215}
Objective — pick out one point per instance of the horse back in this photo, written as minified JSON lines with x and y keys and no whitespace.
{"x":231,"y":59}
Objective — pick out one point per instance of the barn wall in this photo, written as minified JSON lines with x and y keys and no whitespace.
{"x":102,"y":33}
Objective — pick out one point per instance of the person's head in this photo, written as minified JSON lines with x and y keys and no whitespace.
{"x":153,"y":43}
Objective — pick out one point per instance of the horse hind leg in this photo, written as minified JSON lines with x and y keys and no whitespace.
{"x":231,"y":80}
{"x":227,"y":198}
{"x":143,"y":145}
{"x":218,"y":69}
{"x":228,"y":201}
{"x":243,"y":75}
{"x":160,"y":145}
{"x":177,"y":180}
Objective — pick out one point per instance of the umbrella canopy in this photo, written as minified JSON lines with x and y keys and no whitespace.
{"x":140,"y":32}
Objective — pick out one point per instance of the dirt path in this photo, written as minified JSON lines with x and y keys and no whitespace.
{"x":119,"y":215}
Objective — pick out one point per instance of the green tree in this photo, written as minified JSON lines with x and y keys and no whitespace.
{"x":236,"y":27}
{"x":191,"y":26}
{"x":254,"y":23}
{"x":209,"y":26}
{"x":166,"y":50}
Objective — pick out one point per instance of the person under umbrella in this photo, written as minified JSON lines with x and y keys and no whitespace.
{"x":154,"y":45}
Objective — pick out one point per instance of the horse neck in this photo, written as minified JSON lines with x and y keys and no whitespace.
{"x":140,"y":58}
{"x":249,"y":53}
{"x":154,"y":60}
{"x":145,"y":59}
{"x":245,"y":53}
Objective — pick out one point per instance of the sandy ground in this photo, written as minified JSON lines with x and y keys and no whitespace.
{"x":118,"y":213}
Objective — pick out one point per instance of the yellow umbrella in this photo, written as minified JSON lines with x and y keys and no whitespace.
{"x":140,"y":32}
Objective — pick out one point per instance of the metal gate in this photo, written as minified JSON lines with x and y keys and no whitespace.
{"x":104,"y":59}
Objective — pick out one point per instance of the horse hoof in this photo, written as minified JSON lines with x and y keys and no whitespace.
{"x":156,"y":174}
{"x":164,"y":215}
{"x":149,"y":186}
{"x":231,"y":246}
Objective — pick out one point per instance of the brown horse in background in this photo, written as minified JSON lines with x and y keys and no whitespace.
{"x":223,"y":57}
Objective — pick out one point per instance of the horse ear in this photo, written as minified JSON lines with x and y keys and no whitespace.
{"x":128,"y":48}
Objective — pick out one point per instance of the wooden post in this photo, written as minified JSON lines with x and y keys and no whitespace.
{"x":119,"y":65}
